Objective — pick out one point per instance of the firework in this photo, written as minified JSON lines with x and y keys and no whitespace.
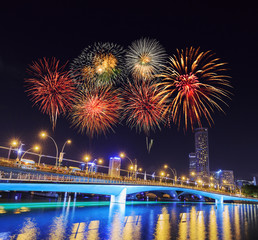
{"x":50,"y":87}
{"x":195,"y":85}
{"x":100,"y":64}
{"x":142,"y":106}
{"x":96,"y":111}
{"x":144,"y":58}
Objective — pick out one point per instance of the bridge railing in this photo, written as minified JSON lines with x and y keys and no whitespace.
{"x":45,"y":178}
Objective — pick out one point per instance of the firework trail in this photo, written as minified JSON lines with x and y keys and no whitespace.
{"x":142,"y":106}
{"x":50,"y":88}
{"x":100,"y":64}
{"x":195,"y":85}
{"x":144,"y":58}
{"x":96,"y":111}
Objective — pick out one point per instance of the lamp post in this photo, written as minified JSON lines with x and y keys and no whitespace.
{"x":36,"y":148}
{"x":123,"y":155}
{"x":100,"y":161}
{"x":62,"y":151}
{"x":14,"y":143}
{"x":44,"y":135}
{"x":40,"y":155}
{"x":162,"y":174}
{"x":173,"y":170}
{"x":86,"y":159}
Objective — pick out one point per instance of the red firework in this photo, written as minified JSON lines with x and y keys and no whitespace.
{"x":50,"y":87}
{"x":143,"y":106}
{"x":96,"y":111}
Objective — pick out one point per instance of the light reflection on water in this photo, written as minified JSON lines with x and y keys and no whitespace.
{"x":162,"y":221}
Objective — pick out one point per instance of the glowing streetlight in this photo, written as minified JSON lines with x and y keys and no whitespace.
{"x":99,"y":161}
{"x":123,"y":155}
{"x":61,"y":156}
{"x":193,"y":173}
{"x":86,"y":158}
{"x":35,"y":148}
{"x":14,"y":143}
{"x":44,"y":135}
{"x":173,"y":170}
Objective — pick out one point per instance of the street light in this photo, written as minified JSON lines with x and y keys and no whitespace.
{"x":62,"y":151}
{"x":86,"y":159}
{"x":123,"y":155}
{"x":162,"y":174}
{"x":35,"y":148}
{"x":173,"y":170}
{"x":100,"y":161}
{"x":44,"y":135}
{"x":14,"y":143}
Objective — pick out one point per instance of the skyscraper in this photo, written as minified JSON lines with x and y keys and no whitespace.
{"x":192,"y":166}
{"x":201,"y":162}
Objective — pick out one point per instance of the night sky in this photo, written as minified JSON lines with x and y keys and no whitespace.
{"x":63,"y":29}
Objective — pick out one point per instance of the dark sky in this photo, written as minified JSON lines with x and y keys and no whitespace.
{"x":62,"y":29}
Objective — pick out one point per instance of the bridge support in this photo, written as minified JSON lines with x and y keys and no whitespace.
{"x":119,"y":198}
{"x":219,"y":201}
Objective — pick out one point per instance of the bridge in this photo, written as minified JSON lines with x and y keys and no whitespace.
{"x":116,"y":188}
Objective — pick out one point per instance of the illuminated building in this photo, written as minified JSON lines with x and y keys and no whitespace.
{"x":202,"y":152}
{"x":199,"y":160}
{"x":192,"y":165}
{"x":114,"y":166}
{"x":225,"y":178}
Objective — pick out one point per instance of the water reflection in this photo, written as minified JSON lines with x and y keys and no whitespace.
{"x":29,"y":230}
{"x":163,"y":225}
{"x":143,"y":221}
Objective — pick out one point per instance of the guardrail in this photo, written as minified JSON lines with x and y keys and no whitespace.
{"x":20,"y":177}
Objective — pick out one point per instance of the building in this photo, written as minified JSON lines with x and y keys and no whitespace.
{"x":223,"y":178}
{"x":202,"y":152}
{"x":199,"y":160}
{"x":114,"y":166}
{"x":192,"y":166}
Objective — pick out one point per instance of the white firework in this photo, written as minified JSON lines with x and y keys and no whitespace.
{"x":144,"y":58}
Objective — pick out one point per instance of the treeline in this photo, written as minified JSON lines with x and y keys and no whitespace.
{"x":250,"y":190}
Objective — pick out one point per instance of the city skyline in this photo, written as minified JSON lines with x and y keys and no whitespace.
{"x":230,"y":140}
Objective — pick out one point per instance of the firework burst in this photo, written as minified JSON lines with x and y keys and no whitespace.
{"x":142,"y":106}
{"x":194,"y":84}
{"x":144,"y":58}
{"x":100,"y":64}
{"x":50,"y":87}
{"x":96,"y":111}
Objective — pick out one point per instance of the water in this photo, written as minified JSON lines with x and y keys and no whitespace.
{"x":142,"y":220}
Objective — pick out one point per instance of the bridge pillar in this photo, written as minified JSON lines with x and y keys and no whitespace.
{"x":120,"y":198}
{"x":219,"y":201}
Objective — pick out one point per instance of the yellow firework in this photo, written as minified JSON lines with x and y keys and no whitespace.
{"x":194,"y":85}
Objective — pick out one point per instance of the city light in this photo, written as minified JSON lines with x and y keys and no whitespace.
{"x":86,"y":157}
{"x":162,"y":174}
{"x":14,"y":143}
{"x":43,"y":134}
{"x":122,"y":155}
{"x":193,"y":173}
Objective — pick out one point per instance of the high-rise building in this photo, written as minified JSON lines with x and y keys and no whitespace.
{"x":202,"y":152}
{"x":114,"y":166}
{"x":192,"y":166}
